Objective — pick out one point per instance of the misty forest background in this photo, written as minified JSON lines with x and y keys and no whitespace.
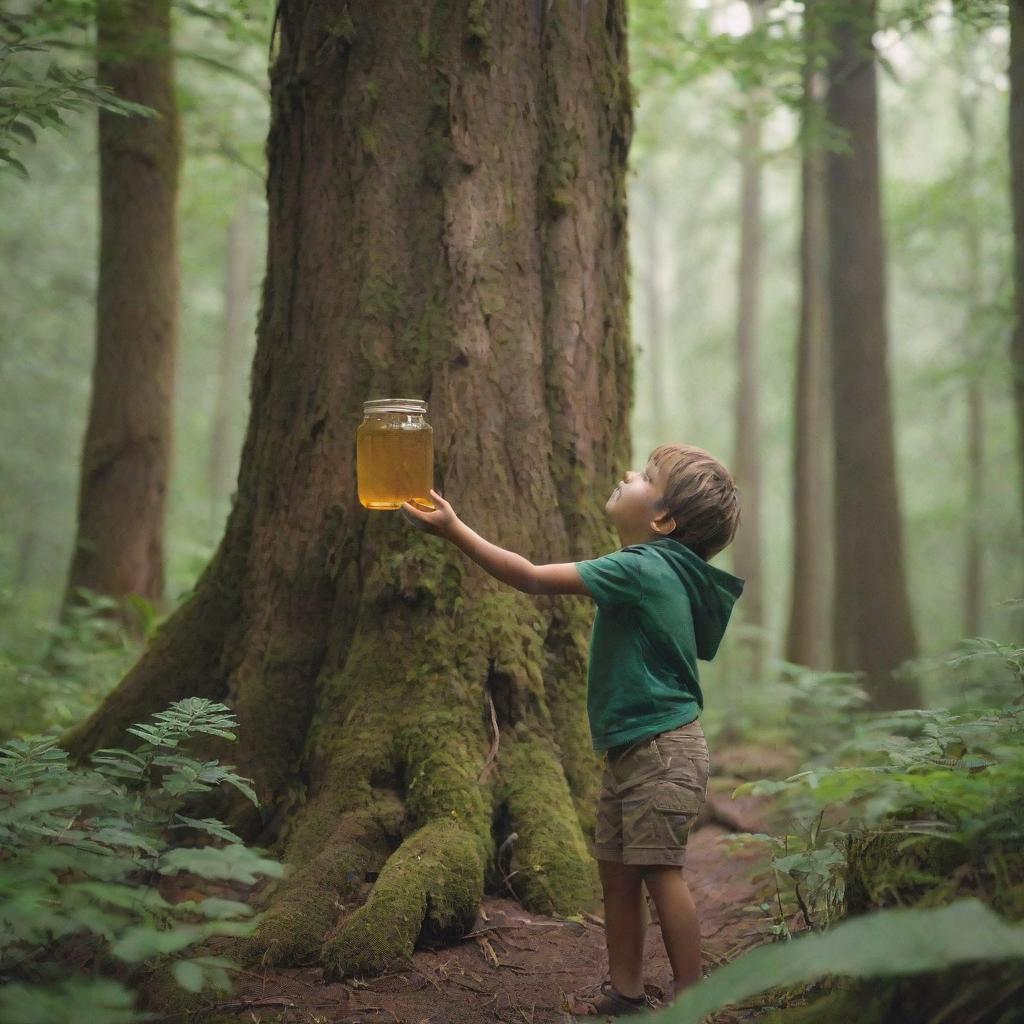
{"x":721,"y":153}
{"x":949,"y":322}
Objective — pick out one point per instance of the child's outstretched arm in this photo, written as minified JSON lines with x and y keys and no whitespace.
{"x":507,"y":566}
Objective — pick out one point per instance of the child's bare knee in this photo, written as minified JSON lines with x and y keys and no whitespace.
{"x":620,"y":879}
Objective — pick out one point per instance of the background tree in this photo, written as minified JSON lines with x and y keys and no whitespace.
{"x":967,"y":104}
{"x":808,"y":631}
{"x":447,"y":216}
{"x":119,"y":545}
{"x":873,"y":631}
{"x":747,"y":463}
{"x":1016,"y":120}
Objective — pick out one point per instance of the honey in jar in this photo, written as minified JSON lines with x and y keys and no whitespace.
{"x":395,"y":454}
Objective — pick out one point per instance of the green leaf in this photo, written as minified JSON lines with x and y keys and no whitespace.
{"x":882,"y":944}
{"x":70,"y":1002}
{"x":189,"y":975}
{"x":211,"y":825}
{"x":142,"y":942}
{"x":232,"y":862}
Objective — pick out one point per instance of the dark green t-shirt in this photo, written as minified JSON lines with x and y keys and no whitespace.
{"x":660,"y":607}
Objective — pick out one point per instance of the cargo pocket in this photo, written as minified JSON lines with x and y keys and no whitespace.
{"x":676,"y":809}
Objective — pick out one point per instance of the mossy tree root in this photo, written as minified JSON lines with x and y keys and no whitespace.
{"x":305,"y":905}
{"x":432,"y":884}
{"x":551,"y":870}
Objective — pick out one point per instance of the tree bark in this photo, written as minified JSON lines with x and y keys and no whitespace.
{"x":447,"y":220}
{"x":873,"y":630}
{"x":808,"y":634}
{"x":1016,"y":119}
{"x":223,"y":440}
{"x":747,"y":546}
{"x":974,"y":581}
{"x":119,"y":544}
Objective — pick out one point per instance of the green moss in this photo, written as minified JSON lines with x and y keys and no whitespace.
{"x":890,"y":869}
{"x":305,"y":905}
{"x":554,"y":872}
{"x":434,"y":881}
{"x":478,"y":20}
{"x":442,"y":772}
{"x":341,"y":25}
{"x":368,"y":141}
{"x":565,"y":685}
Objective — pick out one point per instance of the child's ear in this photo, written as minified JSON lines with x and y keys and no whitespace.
{"x":664,"y":525}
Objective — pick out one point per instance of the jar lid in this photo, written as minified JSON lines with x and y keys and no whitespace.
{"x":405,"y":405}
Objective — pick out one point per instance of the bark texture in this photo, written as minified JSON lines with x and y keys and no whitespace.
{"x":974,"y":568}
{"x":447,"y":220}
{"x":808,"y":634}
{"x":747,"y":465}
{"x":873,"y":629}
{"x":126,"y":456}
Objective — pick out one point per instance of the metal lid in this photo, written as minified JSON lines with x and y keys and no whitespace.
{"x":409,"y":406}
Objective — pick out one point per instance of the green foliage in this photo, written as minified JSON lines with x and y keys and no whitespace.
{"x":80,"y":851}
{"x":75,"y":664}
{"x":903,"y":808}
{"x":888,"y":943}
{"x":35,"y":89}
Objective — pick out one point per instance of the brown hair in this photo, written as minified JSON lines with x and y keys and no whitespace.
{"x":700,"y":495}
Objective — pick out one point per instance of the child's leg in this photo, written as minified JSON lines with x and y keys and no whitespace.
{"x":680,"y":927}
{"x":624,"y":925}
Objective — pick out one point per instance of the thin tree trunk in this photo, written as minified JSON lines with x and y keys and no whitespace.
{"x":873,"y":630}
{"x":447,"y":220}
{"x":1016,"y":119}
{"x":974,"y":583}
{"x":810,"y":616}
{"x":119,"y":544}
{"x":747,"y":547}
{"x":237,"y":269}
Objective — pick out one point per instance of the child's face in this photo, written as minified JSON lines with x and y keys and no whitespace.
{"x":637,"y":506}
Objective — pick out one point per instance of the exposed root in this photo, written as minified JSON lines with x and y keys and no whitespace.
{"x":434,"y":883}
{"x":306,"y":905}
{"x":551,"y":868}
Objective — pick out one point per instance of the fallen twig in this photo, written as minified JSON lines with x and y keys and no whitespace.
{"x":493,"y":752}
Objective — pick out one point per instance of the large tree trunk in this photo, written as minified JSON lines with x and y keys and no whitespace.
{"x":1016,"y":74}
{"x":119,"y":544}
{"x":807,"y":637}
{"x":873,"y":631}
{"x":223,"y":439}
{"x":446,"y":220}
{"x":747,"y":464}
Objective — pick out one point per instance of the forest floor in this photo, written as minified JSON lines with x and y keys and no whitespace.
{"x":517,"y":968}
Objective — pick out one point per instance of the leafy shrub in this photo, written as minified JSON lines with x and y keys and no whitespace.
{"x":80,"y":852}
{"x":84,"y":657}
{"x":911,"y":811}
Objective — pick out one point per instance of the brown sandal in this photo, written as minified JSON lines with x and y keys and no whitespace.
{"x":609,"y":1002}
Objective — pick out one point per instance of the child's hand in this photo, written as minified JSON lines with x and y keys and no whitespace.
{"x":440,"y":521}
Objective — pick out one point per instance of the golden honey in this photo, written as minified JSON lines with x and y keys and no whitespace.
{"x":394,"y":454}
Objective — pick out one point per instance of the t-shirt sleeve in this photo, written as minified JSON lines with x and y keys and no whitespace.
{"x":614,"y":578}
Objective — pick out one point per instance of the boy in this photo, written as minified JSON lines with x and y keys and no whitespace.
{"x":660,"y":607}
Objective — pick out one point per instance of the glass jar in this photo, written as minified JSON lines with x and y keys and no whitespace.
{"x":395,"y":454}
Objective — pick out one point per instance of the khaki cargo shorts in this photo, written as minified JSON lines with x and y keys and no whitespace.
{"x":651,"y":792}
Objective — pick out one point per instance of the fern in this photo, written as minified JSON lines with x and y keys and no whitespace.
{"x":79,"y":848}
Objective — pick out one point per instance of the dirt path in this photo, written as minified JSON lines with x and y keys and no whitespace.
{"x":515,"y":967}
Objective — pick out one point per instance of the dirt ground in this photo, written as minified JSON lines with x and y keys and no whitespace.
{"x":517,"y":967}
